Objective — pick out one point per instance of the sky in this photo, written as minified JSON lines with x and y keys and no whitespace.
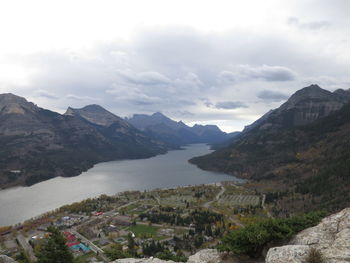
{"x":223,"y":62}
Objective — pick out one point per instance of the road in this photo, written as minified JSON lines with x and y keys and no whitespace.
{"x":91,"y":245}
{"x":217,"y":197}
{"x":264,"y":207}
{"x":27,"y":248}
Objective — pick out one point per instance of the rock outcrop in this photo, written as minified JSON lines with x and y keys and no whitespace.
{"x":331,"y":237}
{"x":6,"y":259}
{"x":203,"y":256}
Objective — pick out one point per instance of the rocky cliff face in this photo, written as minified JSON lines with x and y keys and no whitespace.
{"x":203,"y":256}
{"x":97,"y":115}
{"x":331,"y":237}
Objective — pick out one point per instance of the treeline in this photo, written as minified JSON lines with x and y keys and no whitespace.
{"x":199,"y":218}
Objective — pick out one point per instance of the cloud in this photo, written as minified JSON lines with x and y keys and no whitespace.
{"x":314,"y":25}
{"x":81,"y":98}
{"x":45,"y":94}
{"x":268,"y":73}
{"x":145,"y":78}
{"x":227,"y":77}
{"x":230,"y":105}
{"x":178,"y":70}
{"x":270,"y":95}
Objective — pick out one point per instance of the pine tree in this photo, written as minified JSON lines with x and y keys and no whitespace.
{"x":55,"y":249}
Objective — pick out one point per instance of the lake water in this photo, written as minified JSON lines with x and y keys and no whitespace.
{"x":168,"y":170}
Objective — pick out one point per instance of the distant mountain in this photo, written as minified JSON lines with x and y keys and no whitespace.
{"x":175,"y":133}
{"x":96,"y":115}
{"x":38,"y":144}
{"x":303,"y":145}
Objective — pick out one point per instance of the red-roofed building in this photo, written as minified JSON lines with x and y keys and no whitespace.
{"x":69,"y":236}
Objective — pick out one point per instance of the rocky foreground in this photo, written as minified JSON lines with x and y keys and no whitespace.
{"x":331,"y":237}
{"x":203,"y":256}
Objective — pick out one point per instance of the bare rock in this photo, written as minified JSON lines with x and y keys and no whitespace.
{"x":142,"y":260}
{"x":331,"y":237}
{"x":287,"y":254}
{"x":6,"y":259}
{"x":203,"y":256}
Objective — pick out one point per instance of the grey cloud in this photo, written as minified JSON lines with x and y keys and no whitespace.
{"x":230,"y":105}
{"x":314,"y":25}
{"x":45,"y":94}
{"x":145,"y":78}
{"x":227,"y":77}
{"x":139,"y":76}
{"x":268,"y":73}
{"x":270,"y":95}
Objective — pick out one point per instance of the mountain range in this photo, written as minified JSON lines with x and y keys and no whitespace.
{"x":303,"y":146}
{"x":38,"y":144}
{"x":175,"y":133}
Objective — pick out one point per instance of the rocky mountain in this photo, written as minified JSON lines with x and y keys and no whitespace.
{"x":39,"y":144}
{"x":330,"y":238}
{"x":97,"y":115}
{"x":176,"y":133}
{"x":303,"y":146}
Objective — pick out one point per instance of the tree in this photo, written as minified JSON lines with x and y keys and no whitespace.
{"x":55,"y":249}
{"x":131,"y":244}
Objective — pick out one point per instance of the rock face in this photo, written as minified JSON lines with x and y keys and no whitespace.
{"x":97,"y":115}
{"x":331,"y":237}
{"x":203,"y":256}
{"x":6,"y":259}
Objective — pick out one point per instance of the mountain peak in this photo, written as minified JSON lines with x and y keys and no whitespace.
{"x":94,"y":108}
{"x":10,"y":103}
{"x":96,"y":114}
{"x":158,"y":114}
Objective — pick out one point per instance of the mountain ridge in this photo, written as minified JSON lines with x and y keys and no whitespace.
{"x":177,"y":133}
{"x":38,"y":144}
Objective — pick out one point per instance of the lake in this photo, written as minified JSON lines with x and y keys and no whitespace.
{"x":162,"y":171}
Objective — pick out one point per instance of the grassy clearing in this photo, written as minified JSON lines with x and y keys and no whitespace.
{"x":143,"y":230}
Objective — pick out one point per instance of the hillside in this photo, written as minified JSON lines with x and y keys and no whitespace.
{"x":176,"y":133}
{"x":310,"y":159}
{"x":39,"y":144}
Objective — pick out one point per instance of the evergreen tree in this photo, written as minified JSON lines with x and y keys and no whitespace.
{"x":55,"y":249}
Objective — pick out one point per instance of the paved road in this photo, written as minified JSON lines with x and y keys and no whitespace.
{"x":91,"y":245}
{"x":25,"y":245}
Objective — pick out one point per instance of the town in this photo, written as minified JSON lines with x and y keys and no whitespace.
{"x":166,"y":223}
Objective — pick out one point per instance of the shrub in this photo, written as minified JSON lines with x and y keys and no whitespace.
{"x":314,"y":256}
{"x":252,"y":239}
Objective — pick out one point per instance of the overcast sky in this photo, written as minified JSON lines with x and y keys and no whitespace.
{"x":219,"y":62}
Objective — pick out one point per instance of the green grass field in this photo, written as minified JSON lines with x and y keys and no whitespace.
{"x":143,"y":230}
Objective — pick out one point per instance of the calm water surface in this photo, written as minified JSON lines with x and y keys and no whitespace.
{"x":168,"y":170}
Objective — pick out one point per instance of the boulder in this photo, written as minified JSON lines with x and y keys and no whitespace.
{"x":6,"y":259}
{"x":203,"y":256}
{"x":331,"y":237}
